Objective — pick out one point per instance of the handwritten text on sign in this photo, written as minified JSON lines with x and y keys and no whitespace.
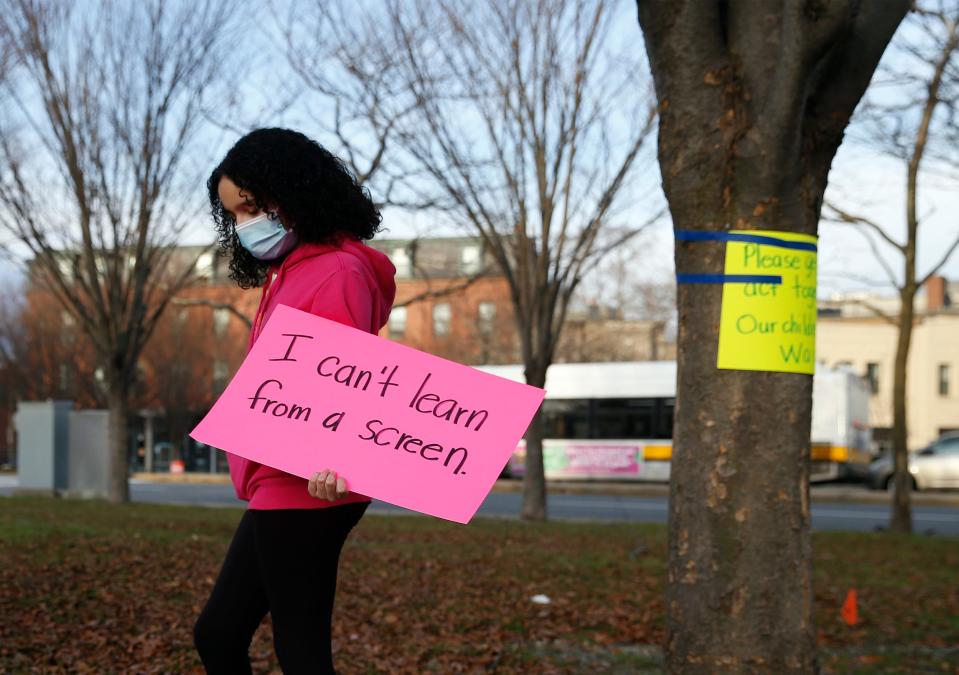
{"x":400,"y":425}
{"x":770,"y":326}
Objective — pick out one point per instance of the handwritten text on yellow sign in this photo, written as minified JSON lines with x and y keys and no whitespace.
{"x":764,"y":325}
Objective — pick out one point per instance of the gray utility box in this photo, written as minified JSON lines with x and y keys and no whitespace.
{"x":89,"y":465}
{"x":61,"y":450}
{"x":42,"y":444}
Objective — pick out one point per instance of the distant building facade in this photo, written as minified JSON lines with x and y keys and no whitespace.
{"x":598,"y":336}
{"x":851,"y":333}
{"x":191,"y":356}
{"x":453,"y":301}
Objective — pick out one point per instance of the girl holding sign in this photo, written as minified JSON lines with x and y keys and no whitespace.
{"x":292,"y":219}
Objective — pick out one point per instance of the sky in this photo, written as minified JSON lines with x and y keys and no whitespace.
{"x":861,"y":181}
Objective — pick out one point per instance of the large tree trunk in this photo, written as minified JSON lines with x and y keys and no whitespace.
{"x":754,"y":99}
{"x":118,"y":406}
{"x":534,"y":479}
{"x":901,"y":517}
{"x":740,"y":576}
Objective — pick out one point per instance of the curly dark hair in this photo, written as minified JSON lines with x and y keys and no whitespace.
{"x":291,"y":173}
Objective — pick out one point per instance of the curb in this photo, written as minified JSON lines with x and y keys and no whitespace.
{"x":182,"y":478}
{"x":821,"y":494}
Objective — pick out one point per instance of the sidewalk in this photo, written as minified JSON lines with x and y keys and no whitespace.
{"x":827,"y":492}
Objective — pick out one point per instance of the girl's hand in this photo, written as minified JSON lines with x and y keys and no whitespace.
{"x":325,"y":485}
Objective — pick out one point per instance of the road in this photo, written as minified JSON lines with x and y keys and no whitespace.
{"x":939,"y":520}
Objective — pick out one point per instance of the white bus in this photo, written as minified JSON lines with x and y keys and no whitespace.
{"x":615,"y":420}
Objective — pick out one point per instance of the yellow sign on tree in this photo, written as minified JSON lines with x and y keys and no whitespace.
{"x":768,"y":319}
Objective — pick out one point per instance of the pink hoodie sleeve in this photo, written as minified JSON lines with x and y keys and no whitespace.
{"x":345,"y":297}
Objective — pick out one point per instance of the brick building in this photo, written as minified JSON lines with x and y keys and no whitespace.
{"x":193,"y":352}
{"x":451,"y":300}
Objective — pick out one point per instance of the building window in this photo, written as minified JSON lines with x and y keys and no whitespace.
{"x":943,"y":379}
{"x":486,"y":317}
{"x":67,"y":324}
{"x":221,"y":321}
{"x":204,"y":265}
{"x":221,"y":375}
{"x":470,"y":259}
{"x":398,"y":322}
{"x":872,"y":377}
{"x":441,"y":319}
{"x":400,"y":258}
{"x":65,"y":267}
{"x":142,"y":377}
{"x":566,"y":419}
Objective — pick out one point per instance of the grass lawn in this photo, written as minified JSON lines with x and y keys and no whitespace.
{"x":90,"y":588}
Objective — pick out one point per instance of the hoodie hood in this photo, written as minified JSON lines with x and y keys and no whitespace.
{"x":348,"y":282}
{"x":378,"y":266}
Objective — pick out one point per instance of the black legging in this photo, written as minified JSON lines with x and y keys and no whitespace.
{"x":283,"y":561}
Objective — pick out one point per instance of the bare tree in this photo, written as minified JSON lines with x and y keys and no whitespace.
{"x":348,"y":76}
{"x":102,"y":111}
{"x":527,"y":129}
{"x":920,"y":128}
{"x":754,"y":100}
{"x":184,"y":356}
{"x":631,"y":281}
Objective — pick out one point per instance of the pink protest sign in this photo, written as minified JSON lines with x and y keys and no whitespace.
{"x":400,"y":425}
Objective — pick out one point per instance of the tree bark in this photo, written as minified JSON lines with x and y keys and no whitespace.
{"x":119,"y":486}
{"x":901,"y":518}
{"x":534,"y":478}
{"x":740,"y":573}
{"x":754,"y":99}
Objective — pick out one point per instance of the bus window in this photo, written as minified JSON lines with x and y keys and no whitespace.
{"x":624,"y":418}
{"x":566,"y":418}
{"x":608,"y":418}
{"x":664,"y":417}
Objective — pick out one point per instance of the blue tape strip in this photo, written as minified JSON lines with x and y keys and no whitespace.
{"x":728,"y":278}
{"x":695,"y":235}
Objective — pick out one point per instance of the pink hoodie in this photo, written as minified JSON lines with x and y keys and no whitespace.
{"x":351,"y":283}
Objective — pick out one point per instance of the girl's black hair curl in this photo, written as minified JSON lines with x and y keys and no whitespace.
{"x":286,"y":171}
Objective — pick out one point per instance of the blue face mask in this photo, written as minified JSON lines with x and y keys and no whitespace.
{"x":265,"y":239}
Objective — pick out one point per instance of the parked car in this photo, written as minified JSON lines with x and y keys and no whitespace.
{"x":935,"y":466}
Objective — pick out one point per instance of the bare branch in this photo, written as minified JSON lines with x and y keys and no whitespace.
{"x":947,"y":253}
{"x":200,"y":302}
{"x":433,"y":293}
{"x":877,"y":311}
{"x":842,"y":216}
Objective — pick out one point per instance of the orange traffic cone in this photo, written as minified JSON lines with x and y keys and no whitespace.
{"x":849,"y":611}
